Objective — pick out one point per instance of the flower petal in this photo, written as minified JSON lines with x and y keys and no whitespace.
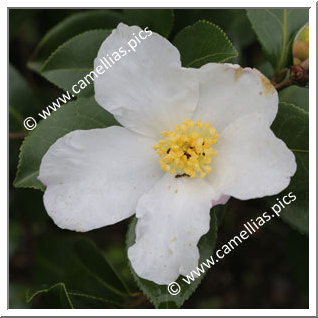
{"x":221,"y":201}
{"x":251,"y":161}
{"x":228,"y":92}
{"x":172,"y":217}
{"x":146,"y":90}
{"x":95,"y":177}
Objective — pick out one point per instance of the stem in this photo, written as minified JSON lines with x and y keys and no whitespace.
{"x":287,"y":82}
{"x":139,"y":301}
{"x":136,"y":294}
{"x":17,"y":135}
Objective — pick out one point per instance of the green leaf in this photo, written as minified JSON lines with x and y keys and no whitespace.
{"x":220,"y":212}
{"x":239,"y":29}
{"x":73,"y":60}
{"x":158,"y":294}
{"x":22,"y":102}
{"x":56,"y":297}
{"x":202,"y":43}
{"x":292,"y":126}
{"x":97,"y":265}
{"x":157,"y":20}
{"x":233,"y":22}
{"x":68,"y":28}
{"x":81,"y":114}
{"x":295,"y":95}
{"x":275,"y":29}
{"x":56,"y":260}
{"x":266,"y":69}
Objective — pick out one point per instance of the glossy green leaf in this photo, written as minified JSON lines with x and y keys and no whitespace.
{"x":276,"y":29}
{"x":68,"y":28}
{"x":81,"y":114}
{"x":22,"y":102}
{"x":158,"y":294}
{"x":73,"y":60}
{"x":98,"y":267}
{"x":157,"y":20}
{"x":292,"y":126}
{"x":233,"y":22}
{"x":202,"y":43}
{"x":295,"y":95}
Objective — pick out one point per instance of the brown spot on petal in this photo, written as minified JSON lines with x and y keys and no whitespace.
{"x":268,"y":87}
{"x":238,"y":73}
{"x":261,"y":93}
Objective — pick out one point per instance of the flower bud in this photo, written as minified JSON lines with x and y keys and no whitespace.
{"x":299,"y":75}
{"x":301,"y":47}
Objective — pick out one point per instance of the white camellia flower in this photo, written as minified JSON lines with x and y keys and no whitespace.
{"x":190,"y":138}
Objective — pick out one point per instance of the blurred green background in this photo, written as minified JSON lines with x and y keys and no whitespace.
{"x":270,"y":270}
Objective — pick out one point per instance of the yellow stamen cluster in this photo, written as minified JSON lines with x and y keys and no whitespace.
{"x":187,"y":151}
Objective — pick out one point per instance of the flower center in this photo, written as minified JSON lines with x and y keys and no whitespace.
{"x":187,"y":151}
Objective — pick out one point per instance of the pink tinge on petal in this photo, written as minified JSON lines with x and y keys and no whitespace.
{"x":223,"y":200}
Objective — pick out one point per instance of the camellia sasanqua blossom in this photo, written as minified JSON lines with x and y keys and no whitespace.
{"x":190,"y":139}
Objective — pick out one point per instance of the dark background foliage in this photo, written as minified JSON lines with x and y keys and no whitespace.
{"x":270,"y":270}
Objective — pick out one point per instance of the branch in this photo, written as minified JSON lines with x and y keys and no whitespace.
{"x":287,"y":82}
{"x":17,"y":135}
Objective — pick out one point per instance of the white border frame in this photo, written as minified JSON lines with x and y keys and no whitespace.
{"x":312,"y":163}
